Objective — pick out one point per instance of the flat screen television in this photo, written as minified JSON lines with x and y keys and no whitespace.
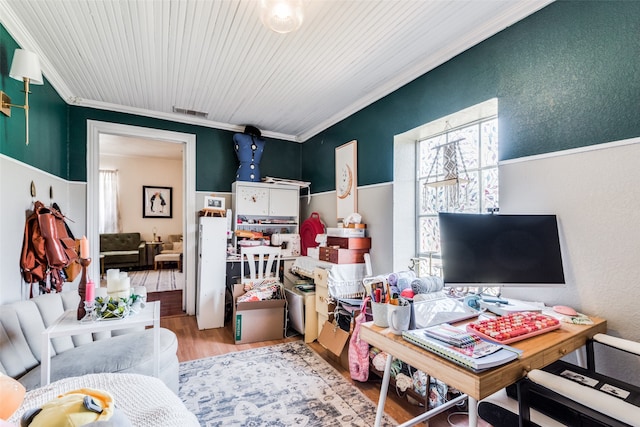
{"x":500,"y":250}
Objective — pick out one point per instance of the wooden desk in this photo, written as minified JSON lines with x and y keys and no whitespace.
{"x":537,"y":352}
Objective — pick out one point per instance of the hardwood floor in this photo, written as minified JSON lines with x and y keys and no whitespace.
{"x":170,"y":302}
{"x":196,"y":344}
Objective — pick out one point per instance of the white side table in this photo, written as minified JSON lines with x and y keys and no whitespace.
{"x":68,"y":325}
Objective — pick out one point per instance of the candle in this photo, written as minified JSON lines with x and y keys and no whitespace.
{"x":90,"y":291}
{"x":84,"y":248}
{"x":126,"y":284}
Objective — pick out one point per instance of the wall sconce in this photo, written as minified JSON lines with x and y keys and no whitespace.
{"x":26,"y":67}
{"x":281,"y":16}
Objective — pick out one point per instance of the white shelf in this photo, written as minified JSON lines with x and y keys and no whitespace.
{"x":259,"y":201}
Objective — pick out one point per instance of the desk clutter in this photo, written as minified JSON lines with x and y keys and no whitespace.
{"x":514,"y":327}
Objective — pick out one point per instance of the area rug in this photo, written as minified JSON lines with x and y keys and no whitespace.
{"x":158,"y":280}
{"x":281,"y":385}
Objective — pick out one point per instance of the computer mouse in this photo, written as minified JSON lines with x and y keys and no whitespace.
{"x":563,"y":309}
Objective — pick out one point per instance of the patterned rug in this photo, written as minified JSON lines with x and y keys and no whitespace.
{"x":158,"y":280}
{"x":281,"y":385}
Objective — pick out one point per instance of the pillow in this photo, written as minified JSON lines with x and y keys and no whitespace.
{"x":177,"y":246}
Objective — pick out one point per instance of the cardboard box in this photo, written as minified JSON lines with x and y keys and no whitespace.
{"x":342,"y":256}
{"x":336,"y":341}
{"x":256,"y":321}
{"x":345,"y":232}
{"x":350,"y":242}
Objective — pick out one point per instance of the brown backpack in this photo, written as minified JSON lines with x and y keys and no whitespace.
{"x":47,"y":247}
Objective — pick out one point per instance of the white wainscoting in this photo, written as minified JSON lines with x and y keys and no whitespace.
{"x":594,"y":191}
{"x":15,"y":184}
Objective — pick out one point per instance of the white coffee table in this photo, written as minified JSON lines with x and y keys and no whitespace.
{"x":68,"y":325}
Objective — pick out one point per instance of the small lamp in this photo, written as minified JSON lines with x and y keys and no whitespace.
{"x":11,"y":396}
{"x":26,"y":67}
{"x":281,"y":16}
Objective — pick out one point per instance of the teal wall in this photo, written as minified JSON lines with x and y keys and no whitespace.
{"x":567,"y":76}
{"x":47,"y":149}
{"x":216,"y":161}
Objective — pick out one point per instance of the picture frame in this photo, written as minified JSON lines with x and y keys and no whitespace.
{"x":215,"y":203}
{"x":157,"y":202}
{"x":347,"y":179}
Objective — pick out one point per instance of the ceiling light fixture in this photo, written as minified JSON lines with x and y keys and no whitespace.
{"x":26,"y":67}
{"x":281,"y":16}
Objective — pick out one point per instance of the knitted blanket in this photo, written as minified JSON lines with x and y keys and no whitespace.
{"x":145,"y":400}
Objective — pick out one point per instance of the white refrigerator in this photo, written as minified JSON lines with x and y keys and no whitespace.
{"x":212,"y":253}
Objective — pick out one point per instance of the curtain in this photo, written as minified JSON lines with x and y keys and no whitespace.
{"x":109,"y":211}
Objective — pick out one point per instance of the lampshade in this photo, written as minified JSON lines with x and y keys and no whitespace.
{"x":11,"y":396}
{"x":26,"y":64}
{"x":281,"y":16}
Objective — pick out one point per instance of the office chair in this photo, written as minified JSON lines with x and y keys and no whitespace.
{"x":568,"y":395}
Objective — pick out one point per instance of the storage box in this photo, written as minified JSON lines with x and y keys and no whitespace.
{"x":350,"y":242}
{"x":342,"y":256}
{"x":345,"y":232}
{"x":313,"y":253}
{"x":256,"y":321}
{"x":336,"y":341}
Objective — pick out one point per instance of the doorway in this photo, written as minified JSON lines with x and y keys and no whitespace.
{"x":95,"y":130}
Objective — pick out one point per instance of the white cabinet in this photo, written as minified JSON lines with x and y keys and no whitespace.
{"x":212,"y":270}
{"x":266,"y":208}
{"x":251,"y":199}
{"x":284,"y":202}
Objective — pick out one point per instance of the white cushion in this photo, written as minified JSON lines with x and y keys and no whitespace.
{"x":597,"y":400}
{"x":621,"y":343}
{"x":167,"y":257}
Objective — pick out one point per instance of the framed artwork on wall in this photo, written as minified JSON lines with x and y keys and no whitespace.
{"x":157,"y":202}
{"x":215,"y":203}
{"x":347,"y":179}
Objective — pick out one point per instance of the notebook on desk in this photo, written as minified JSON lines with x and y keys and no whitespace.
{"x":439,"y":309}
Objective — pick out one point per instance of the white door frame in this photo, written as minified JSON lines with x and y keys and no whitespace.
{"x":94,"y":129}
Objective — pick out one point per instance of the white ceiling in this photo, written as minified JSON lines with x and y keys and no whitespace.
{"x":147,"y":56}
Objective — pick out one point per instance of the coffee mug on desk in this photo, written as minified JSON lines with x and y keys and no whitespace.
{"x":379,"y":311}
{"x":398,"y":318}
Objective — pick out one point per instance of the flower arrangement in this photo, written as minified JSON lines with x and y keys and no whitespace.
{"x":109,"y":308}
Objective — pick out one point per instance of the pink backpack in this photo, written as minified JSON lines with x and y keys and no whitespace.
{"x":359,"y":349}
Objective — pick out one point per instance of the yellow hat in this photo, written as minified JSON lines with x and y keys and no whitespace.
{"x":69,"y":410}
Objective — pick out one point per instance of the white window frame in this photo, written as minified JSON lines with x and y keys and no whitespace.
{"x":404,"y":181}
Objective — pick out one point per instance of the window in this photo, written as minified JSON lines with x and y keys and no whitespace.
{"x":108,"y":209}
{"x":473,"y":148}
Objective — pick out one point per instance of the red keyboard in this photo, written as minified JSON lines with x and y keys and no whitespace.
{"x":514,"y":326}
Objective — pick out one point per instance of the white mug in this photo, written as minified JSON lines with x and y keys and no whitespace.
{"x":379,"y":311}
{"x":398,"y":317}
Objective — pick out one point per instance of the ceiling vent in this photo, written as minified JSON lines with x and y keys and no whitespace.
{"x":190,"y":112}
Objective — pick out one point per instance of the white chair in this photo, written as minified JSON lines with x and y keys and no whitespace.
{"x":261,"y":261}
{"x":584,"y":399}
